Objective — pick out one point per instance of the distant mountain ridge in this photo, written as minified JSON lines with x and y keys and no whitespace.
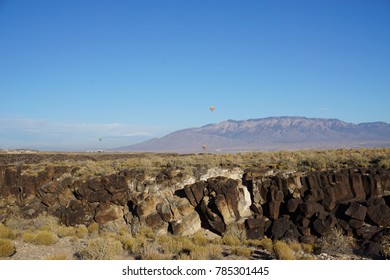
{"x":270,"y":133}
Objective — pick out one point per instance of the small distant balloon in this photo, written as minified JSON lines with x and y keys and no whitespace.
{"x":100,"y":139}
{"x":212,"y":108}
{"x":204,"y":147}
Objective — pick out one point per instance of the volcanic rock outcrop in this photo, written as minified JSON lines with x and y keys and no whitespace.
{"x":280,"y":205}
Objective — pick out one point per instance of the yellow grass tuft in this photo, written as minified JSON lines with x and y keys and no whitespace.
{"x":102,"y":249}
{"x":6,"y":233}
{"x":7,"y":248}
{"x":283,"y":251}
{"x":57,"y":257}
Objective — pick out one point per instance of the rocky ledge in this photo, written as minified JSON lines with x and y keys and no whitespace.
{"x":279,"y":205}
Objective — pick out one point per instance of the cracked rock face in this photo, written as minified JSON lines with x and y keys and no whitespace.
{"x":279,"y":205}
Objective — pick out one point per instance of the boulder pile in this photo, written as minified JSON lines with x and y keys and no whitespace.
{"x":280,"y":205}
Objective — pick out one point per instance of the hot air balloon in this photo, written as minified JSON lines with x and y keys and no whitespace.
{"x":100,"y":139}
{"x":204,"y":147}
{"x":212,"y":108}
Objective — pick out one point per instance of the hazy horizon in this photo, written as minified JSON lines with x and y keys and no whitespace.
{"x":84,"y":75}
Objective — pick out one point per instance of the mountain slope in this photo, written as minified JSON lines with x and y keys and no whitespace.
{"x":270,"y":134}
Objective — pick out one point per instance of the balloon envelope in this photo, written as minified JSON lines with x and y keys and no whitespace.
{"x":212,"y":108}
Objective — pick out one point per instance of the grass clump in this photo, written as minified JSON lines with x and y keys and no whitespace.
{"x":45,"y":238}
{"x":242,"y":252}
{"x":64,"y":231}
{"x":40,"y":238}
{"x":6,"y":233}
{"x":7,"y":248}
{"x":133,"y":244}
{"x":57,"y":257}
{"x":101,"y":249}
{"x":283,"y":251}
{"x":231,"y":240}
{"x":81,"y":231}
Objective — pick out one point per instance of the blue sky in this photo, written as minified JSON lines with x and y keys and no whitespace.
{"x":130,"y":70}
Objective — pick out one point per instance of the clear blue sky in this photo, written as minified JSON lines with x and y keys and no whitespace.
{"x":129,"y":70}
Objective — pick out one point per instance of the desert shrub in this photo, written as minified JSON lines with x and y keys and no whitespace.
{"x":101,"y":249}
{"x":17,"y":223}
{"x":45,"y":222}
{"x":45,"y":238}
{"x":214,"y":252}
{"x":295,"y":246}
{"x":266,"y":243}
{"x":242,"y":252}
{"x":336,"y":242}
{"x":230,"y":240}
{"x":175,"y":245}
{"x":81,"y":231}
{"x":64,"y":231}
{"x":283,"y":251}
{"x":148,"y":233}
{"x":93,"y":229}
{"x":200,"y":239}
{"x":6,"y":233}
{"x":199,"y":253}
{"x":385,"y":244}
{"x":7,"y":248}
{"x":307,"y":248}
{"x":28,"y":237}
{"x":151,"y":251}
{"x":236,"y":232}
{"x":133,"y":244}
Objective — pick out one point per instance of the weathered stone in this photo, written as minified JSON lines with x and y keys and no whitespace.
{"x":188,"y":225}
{"x":293,"y":204}
{"x":356,"y":211}
{"x":195,"y":192}
{"x":154,"y":220}
{"x":165,"y":211}
{"x":367,"y":232}
{"x":147,"y":207}
{"x":378,"y":211}
{"x":372,"y":250}
{"x":280,"y":228}
{"x":355,"y":224}
{"x":106,"y":212}
{"x":210,"y":219}
{"x":357,"y":186}
{"x":309,"y":208}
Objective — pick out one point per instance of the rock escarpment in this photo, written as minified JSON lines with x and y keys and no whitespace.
{"x":280,"y":205}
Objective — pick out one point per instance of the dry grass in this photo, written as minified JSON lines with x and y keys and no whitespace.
{"x":45,"y":238}
{"x":283,"y":251}
{"x":6,"y":233}
{"x":335,"y":242}
{"x":7,"y":248}
{"x":385,"y":243}
{"x":81,"y":231}
{"x":57,"y":257}
{"x":230,"y":240}
{"x":190,"y":165}
{"x":101,"y":249}
{"x":242,"y":252}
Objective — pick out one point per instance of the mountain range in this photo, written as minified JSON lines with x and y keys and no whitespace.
{"x":273,"y":133}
